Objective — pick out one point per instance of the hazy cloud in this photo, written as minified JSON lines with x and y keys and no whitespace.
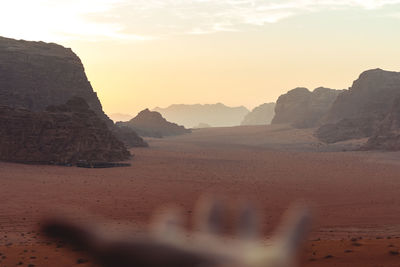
{"x":136,"y":20}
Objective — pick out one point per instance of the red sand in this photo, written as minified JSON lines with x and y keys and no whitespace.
{"x":353,"y":194}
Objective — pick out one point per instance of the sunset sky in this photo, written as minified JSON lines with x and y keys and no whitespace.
{"x":148,"y":53}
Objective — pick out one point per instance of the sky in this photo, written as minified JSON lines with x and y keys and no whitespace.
{"x":146,"y":53}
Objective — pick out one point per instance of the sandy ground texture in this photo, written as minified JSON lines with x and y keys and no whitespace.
{"x":354,"y":195}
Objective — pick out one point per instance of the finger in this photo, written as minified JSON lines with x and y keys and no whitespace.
{"x":295,"y":228}
{"x":209,"y":215}
{"x":247,"y":222}
{"x":167,"y":223}
{"x":65,"y":230}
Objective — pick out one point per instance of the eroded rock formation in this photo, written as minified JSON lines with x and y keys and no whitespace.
{"x":34,"y":75}
{"x":261,"y":115}
{"x":304,"y":109}
{"x":387,"y":134}
{"x":152,"y":124}
{"x":64,"y":134}
{"x":358,"y":112}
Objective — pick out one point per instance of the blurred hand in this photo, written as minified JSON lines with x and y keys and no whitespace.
{"x":168,"y":244}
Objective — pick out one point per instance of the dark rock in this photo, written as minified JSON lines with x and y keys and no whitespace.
{"x":97,"y":165}
{"x":371,"y":95}
{"x":358,"y":112}
{"x":128,"y":136}
{"x":35,"y":75}
{"x":345,"y":129}
{"x":80,"y":261}
{"x":304,"y":109}
{"x":152,"y":124}
{"x":62,"y":134}
{"x":387,"y":133}
{"x":261,"y":115}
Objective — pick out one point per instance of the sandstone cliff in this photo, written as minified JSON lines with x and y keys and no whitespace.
{"x":387,"y":134}
{"x":64,"y":134}
{"x":260,"y":115}
{"x":358,"y":112}
{"x":34,"y":75}
{"x":304,"y":109}
{"x":152,"y":124}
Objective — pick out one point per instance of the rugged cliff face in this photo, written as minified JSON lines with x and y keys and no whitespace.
{"x":302,"y":108}
{"x":152,"y":124}
{"x":387,"y":134}
{"x":34,"y":75}
{"x":371,"y":95}
{"x":62,"y":134}
{"x":260,"y":115}
{"x":358,"y":112}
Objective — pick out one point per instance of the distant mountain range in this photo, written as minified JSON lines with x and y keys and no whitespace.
{"x":214,"y":115}
{"x":116,"y":117}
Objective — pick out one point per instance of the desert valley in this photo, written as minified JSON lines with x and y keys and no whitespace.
{"x":353,"y":195}
{"x":194,"y":185}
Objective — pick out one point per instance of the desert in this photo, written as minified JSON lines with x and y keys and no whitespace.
{"x":353,"y":195}
{"x":199,"y":133}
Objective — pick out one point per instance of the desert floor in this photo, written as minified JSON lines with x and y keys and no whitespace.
{"x":354,"y":196}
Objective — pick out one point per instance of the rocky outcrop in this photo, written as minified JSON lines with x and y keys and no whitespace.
{"x":152,"y":124}
{"x":358,"y":112}
{"x":215,"y":115}
{"x":304,"y":109}
{"x":64,"y":134}
{"x":260,"y":115}
{"x":370,"y":96}
{"x":34,"y":75}
{"x":345,"y":129}
{"x":387,"y":134}
{"x":128,"y":136}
